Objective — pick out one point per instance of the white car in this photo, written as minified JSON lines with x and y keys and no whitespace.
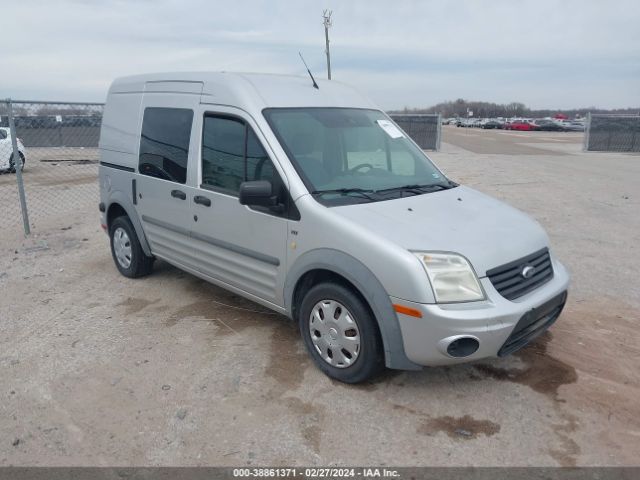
{"x":6,"y":161}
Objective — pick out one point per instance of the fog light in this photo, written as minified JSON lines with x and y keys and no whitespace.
{"x":463,"y":347}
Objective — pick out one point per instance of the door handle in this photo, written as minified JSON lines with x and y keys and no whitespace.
{"x":202,"y":200}
{"x":178,"y":194}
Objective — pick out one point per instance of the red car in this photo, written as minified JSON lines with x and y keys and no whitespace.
{"x":521,"y":125}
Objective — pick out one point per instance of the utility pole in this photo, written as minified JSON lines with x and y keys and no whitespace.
{"x":326,"y":15}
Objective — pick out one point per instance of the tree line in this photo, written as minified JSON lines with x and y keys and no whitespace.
{"x":460,"y":107}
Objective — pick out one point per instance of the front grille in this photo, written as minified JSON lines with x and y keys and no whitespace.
{"x":533,"y":323}
{"x":509,"y":281}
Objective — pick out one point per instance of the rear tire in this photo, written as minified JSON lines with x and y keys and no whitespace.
{"x":340,"y":333}
{"x":130,"y":259}
{"x":12,"y":163}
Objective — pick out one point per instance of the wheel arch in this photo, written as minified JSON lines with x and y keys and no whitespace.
{"x":328,"y":264}
{"x":119,"y":205}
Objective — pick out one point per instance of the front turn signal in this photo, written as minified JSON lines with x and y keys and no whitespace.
{"x":412,"y":312}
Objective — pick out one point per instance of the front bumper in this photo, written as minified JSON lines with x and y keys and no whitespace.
{"x":490,"y":322}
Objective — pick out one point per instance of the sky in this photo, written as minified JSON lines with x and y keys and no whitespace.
{"x":401,"y":53}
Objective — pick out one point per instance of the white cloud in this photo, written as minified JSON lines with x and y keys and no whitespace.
{"x":545,"y":53}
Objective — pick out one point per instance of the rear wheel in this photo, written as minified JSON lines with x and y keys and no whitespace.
{"x":12,"y":163}
{"x":340,"y":333}
{"x":130,"y":259}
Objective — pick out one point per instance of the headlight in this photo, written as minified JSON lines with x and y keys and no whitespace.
{"x":451,"y":276}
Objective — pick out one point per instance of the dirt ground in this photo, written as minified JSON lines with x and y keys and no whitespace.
{"x":97,"y":369}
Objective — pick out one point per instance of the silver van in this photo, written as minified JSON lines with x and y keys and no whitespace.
{"x":312,"y":202}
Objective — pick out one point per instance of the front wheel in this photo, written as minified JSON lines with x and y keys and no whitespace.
{"x":126,"y":251}
{"x":340,"y":333}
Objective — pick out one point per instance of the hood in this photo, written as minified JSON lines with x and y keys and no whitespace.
{"x":489,"y":233}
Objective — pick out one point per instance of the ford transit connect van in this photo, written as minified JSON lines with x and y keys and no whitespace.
{"x":313,"y":203}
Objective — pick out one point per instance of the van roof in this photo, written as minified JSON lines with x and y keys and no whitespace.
{"x":248,"y":91}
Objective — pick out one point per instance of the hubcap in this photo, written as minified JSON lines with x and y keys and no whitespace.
{"x":334,"y":333}
{"x":122,"y":247}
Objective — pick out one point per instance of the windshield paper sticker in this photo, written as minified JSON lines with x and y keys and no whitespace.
{"x":390,"y":128}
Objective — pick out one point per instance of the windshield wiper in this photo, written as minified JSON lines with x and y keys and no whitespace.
{"x":346,"y":191}
{"x":418,"y":189}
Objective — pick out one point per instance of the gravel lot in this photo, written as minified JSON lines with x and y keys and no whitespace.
{"x":96,"y":369}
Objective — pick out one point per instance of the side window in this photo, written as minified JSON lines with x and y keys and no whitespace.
{"x":223,"y":150}
{"x":259,"y":166}
{"x":232,"y":154}
{"x":164,"y":143}
{"x":3,"y":134}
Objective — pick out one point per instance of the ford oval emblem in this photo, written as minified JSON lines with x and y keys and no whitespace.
{"x":528,"y":271}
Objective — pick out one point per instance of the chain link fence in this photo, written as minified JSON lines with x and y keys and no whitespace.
{"x":424,"y":129}
{"x":58,"y":148}
{"x":612,"y":133}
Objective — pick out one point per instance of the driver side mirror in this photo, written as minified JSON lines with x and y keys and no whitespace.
{"x":258,"y":193}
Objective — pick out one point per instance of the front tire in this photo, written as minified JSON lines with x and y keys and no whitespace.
{"x":340,"y":333}
{"x":130,"y":259}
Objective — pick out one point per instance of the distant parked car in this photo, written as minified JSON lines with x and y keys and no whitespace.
{"x":7,"y":162}
{"x":574,"y":126}
{"x":491,"y":123}
{"x":549,"y":126}
{"x":521,"y":125}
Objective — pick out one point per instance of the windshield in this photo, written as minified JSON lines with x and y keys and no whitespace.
{"x":348,"y":155}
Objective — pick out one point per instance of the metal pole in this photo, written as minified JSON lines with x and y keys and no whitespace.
{"x":17,"y":162}
{"x":327,"y":23}
{"x":587,"y":131}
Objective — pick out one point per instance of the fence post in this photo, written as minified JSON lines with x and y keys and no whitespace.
{"x":17,"y":163}
{"x":587,"y":132}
